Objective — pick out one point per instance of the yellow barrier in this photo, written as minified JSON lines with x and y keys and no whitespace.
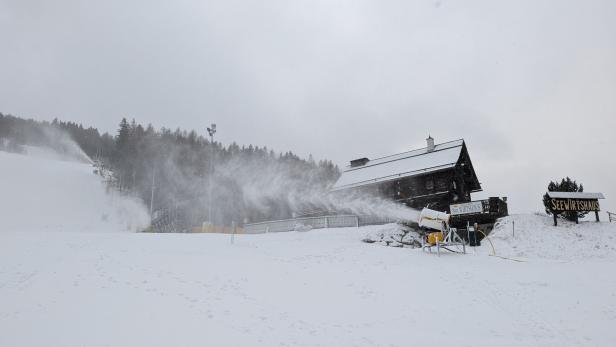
{"x":217,"y":229}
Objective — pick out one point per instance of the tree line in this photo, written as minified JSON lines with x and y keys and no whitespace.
{"x":171,"y":170}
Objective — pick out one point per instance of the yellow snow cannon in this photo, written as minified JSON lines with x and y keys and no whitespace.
{"x":435,"y":237}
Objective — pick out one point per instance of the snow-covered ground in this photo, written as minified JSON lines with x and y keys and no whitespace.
{"x":63,"y":287}
{"x":534,"y":236}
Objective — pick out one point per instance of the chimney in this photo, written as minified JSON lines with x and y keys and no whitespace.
{"x":430,"y":141}
{"x":359,"y":162}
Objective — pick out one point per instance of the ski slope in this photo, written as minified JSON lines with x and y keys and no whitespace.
{"x":83,"y":282}
{"x":44,"y":191}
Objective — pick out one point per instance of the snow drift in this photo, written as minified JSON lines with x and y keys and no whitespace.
{"x":536,"y":237}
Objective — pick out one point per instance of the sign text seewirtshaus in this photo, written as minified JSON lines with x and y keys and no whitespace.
{"x":562,"y":205}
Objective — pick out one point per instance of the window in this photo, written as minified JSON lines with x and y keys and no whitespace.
{"x":429,"y":184}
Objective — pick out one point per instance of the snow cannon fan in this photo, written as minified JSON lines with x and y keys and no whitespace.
{"x":434,"y":220}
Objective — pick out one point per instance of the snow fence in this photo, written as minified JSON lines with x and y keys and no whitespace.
{"x":336,"y":221}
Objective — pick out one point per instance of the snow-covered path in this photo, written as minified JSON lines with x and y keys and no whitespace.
{"x":317,"y":288}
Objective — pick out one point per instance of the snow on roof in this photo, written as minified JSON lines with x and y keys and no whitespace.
{"x":575,"y":195}
{"x":407,"y":164}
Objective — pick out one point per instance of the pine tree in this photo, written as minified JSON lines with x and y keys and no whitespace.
{"x":123,"y":135}
{"x":565,"y":185}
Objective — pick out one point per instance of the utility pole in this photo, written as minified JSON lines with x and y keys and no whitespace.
{"x":152,"y":196}
{"x":211,"y":131}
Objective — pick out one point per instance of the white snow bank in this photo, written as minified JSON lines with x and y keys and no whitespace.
{"x":40,"y":192}
{"x":394,"y":235}
{"x":537,"y":237}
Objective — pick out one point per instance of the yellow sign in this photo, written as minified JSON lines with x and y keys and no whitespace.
{"x":562,"y":205}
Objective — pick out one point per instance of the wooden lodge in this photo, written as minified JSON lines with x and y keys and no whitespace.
{"x":435,"y":176}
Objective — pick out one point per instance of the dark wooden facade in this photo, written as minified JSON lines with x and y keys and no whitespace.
{"x":436,"y":189}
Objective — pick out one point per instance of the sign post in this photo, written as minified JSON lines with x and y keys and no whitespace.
{"x":560,"y":202}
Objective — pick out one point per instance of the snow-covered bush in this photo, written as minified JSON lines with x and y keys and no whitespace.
{"x":395,"y":235}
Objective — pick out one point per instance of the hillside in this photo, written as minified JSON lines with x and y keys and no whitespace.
{"x":536,"y":237}
{"x":70,"y":277}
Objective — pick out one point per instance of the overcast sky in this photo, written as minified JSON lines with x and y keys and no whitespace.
{"x":530,"y":85}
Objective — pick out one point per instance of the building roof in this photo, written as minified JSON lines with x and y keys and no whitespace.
{"x":407,"y":164}
{"x":575,"y":195}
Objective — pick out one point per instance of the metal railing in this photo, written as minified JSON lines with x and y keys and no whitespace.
{"x":336,"y":221}
{"x":611,"y":216}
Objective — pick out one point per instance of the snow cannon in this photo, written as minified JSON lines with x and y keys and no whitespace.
{"x":443,"y":237}
{"x":435,"y":220}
